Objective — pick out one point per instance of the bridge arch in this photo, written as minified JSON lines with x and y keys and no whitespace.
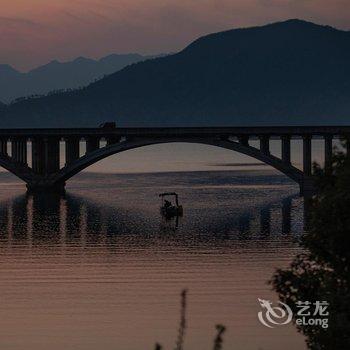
{"x":22,"y":171}
{"x":101,"y":153}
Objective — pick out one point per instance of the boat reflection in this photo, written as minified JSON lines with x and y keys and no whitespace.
{"x":60,"y":219}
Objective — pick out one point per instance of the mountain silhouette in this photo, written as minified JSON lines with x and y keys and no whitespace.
{"x":286,"y":73}
{"x":56,"y":75}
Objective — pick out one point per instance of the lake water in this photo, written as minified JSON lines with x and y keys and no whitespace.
{"x":100,"y":269}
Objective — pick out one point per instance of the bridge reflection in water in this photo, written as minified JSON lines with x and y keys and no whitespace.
{"x":59,"y":219}
{"x":83,"y":271}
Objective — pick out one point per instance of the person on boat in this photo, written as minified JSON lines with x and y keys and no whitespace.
{"x":167,"y":204}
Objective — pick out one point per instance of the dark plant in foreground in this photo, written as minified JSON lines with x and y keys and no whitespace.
{"x":322,"y":273}
{"x":218,"y":341}
{"x":182,"y":326}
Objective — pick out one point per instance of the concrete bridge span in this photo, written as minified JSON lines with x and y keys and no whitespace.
{"x":46,"y":173}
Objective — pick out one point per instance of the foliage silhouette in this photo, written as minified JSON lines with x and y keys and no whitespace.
{"x":322,"y":272}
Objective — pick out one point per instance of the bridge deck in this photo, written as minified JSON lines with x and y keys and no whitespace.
{"x":293,"y":131}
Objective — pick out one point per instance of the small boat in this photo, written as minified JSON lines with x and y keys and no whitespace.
{"x":168,"y":209}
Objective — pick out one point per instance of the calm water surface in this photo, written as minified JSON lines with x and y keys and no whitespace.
{"x":100,"y":269}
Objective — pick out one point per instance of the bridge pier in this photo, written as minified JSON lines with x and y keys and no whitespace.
{"x":92,"y":144}
{"x":45,"y":156}
{"x":46,"y":187}
{"x":286,"y":149}
{"x":19,"y":150}
{"x":307,"y":158}
{"x":52,"y":155}
{"x":3,"y":146}
{"x":38,"y":163}
{"x":45,"y":163}
{"x":265,"y":144}
{"x":72,"y":149}
{"x":243,"y":140}
{"x":328,"y":153}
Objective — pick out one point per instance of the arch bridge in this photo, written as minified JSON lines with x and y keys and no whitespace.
{"x":46,"y":172}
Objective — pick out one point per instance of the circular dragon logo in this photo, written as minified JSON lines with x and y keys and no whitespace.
{"x":273,"y":316}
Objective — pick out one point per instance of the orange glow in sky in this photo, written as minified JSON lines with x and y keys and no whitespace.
{"x":33,"y":32}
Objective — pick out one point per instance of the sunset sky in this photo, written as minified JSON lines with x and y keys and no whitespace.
{"x":33,"y":32}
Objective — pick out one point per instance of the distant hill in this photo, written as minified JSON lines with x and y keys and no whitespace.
{"x":56,"y":75}
{"x":292,"y":72}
